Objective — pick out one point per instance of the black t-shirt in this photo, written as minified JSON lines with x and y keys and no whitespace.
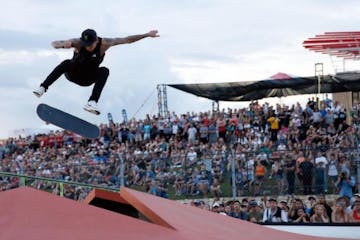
{"x":306,"y":167}
{"x":85,"y":60}
{"x":342,"y":116}
{"x":290,"y":164}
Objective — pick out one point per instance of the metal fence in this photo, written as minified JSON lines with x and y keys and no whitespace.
{"x":237,"y":172}
{"x":69,"y":189}
{"x":220,"y":173}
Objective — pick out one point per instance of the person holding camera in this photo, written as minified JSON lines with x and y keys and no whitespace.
{"x":345,"y":184}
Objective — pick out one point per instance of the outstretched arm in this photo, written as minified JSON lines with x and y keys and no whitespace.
{"x":71,"y":43}
{"x":109,"y":42}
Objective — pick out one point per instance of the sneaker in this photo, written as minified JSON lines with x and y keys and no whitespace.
{"x":92,"y":107}
{"x":39,"y":91}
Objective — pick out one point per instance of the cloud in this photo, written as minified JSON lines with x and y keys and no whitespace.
{"x":13,"y":57}
{"x":201,"y":41}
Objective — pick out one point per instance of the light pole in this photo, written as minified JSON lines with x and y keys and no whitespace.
{"x":319,"y":73}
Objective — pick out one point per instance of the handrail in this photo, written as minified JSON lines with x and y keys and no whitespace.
{"x":58,"y":181}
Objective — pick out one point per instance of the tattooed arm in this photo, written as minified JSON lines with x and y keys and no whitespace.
{"x":109,"y":42}
{"x":71,"y":43}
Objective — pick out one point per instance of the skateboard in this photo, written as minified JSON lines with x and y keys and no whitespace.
{"x":67,"y":121}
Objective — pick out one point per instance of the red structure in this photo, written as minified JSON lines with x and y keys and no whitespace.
{"x":340,"y":44}
{"x":28,"y":213}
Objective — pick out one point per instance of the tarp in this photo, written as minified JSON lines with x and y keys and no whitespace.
{"x":274,"y":87}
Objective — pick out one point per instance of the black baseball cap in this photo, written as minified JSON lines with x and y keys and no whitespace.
{"x":88,"y":37}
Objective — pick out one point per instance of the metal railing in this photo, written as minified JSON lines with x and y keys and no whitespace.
{"x":229,"y":162}
{"x":24,"y":180}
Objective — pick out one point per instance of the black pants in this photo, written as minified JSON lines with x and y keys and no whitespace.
{"x":290,"y":177}
{"x":307,"y":182}
{"x":273,"y":134}
{"x":80,"y":77}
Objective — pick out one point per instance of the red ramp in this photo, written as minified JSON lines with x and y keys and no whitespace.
{"x":194,"y":223}
{"x":31,"y":214}
{"x":27,"y":213}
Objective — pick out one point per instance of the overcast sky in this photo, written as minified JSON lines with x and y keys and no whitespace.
{"x":201,"y":41}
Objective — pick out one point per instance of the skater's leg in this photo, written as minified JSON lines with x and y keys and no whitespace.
{"x":101,"y":77}
{"x":56,"y":73}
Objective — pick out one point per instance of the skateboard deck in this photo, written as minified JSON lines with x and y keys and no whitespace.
{"x":67,"y":121}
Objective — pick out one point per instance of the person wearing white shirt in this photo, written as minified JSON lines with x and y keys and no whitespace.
{"x":273,"y":213}
{"x":281,"y":147}
{"x":175,"y":128}
{"x":191,"y":156}
{"x":192,"y":134}
{"x":320,"y":173}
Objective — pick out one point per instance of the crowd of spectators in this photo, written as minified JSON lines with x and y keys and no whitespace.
{"x":310,"y":148}
{"x":268,"y":210}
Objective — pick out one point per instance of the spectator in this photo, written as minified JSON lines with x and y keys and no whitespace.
{"x":355,"y":213}
{"x":322,"y":200}
{"x":221,"y":126}
{"x":179,"y":185}
{"x":216,"y":207}
{"x":355,"y":197}
{"x":302,"y":216}
{"x":227,"y":208}
{"x":320,"y":215}
{"x":339,"y":214}
{"x":290,"y":168}
{"x":213,"y":133}
{"x":284,"y":206}
{"x":277,"y":171}
{"x":204,"y":133}
{"x":345,"y":184}
{"x":311,"y":203}
{"x":255,"y":212}
{"x":215,"y":188}
{"x":273,"y":120}
{"x":237,"y":212}
{"x":191,"y":157}
{"x":320,"y":173}
{"x":192,"y":131}
{"x":203,"y":181}
{"x":260,"y":172}
{"x":242,"y":184}
{"x":306,"y":173}
{"x":158,"y":152}
{"x":295,"y":205}
{"x":273,"y":213}
{"x":299,"y":159}
{"x":333,"y":171}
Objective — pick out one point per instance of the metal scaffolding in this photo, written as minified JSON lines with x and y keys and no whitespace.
{"x":319,"y":73}
{"x":124,"y":115}
{"x":215,"y":106}
{"x":162,"y":99}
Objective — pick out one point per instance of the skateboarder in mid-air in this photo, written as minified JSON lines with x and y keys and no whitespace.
{"x":83,"y":69}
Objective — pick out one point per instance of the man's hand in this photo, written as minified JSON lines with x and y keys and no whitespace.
{"x":153,"y":33}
